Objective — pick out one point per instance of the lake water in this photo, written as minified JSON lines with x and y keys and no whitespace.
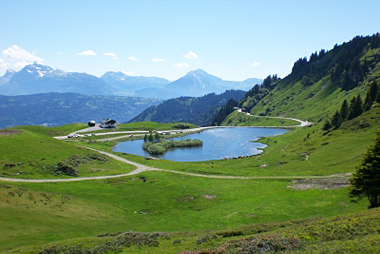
{"x":218,"y":143}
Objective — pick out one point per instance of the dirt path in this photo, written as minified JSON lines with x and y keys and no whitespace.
{"x":302,"y":123}
{"x":142,"y":168}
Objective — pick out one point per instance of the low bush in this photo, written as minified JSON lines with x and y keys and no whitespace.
{"x":116,"y":245}
{"x":69,"y":166}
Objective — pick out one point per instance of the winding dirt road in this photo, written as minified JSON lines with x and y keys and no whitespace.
{"x":302,"y":123}
{"x":142,"y":168}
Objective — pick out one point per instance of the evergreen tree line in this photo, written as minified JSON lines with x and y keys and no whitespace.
{"x":354,"y":109}
{"x":152,"y":137}
{"x":257,"y":93}
{"x":224,"y":112}
{"x":342,"y":63}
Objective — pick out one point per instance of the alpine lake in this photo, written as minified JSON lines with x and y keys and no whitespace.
{"x":218,"y":143}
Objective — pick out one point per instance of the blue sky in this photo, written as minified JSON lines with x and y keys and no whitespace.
{"x":234,"y":39}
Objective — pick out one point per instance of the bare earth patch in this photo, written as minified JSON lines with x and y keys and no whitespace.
{"x":335,"y":182}
{"x":9,"y":132}
{"x":209,"y":196}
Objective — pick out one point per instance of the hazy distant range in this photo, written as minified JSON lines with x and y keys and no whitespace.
{"x":41,"y":95}
{"x":36,"y":78}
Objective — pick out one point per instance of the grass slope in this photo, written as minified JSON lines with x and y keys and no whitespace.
{"x":31,"y":154}
{"x":242,"y":119}
{"x":154,"y":201}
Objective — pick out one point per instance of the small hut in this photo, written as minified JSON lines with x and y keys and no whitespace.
{"x":108,"y":123}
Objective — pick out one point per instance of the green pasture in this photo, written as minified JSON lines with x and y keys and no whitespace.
{"x":154,"y":201}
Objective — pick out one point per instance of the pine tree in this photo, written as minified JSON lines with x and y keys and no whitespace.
{"x":356,"y":107}
{"x":373,"y":90}
{"x":157,"y":136}
{"x":366,"y":179}
{"x":359,"y":106}
{"x":145,"y":138}
{"x":378,"y":94}
{"x":367,"y":102}
{"x":150,"y":137}
{"x":344,"y":110}
{"x":336,"y":120}
{"x":351,"y":110}
{"x":326,"y":126}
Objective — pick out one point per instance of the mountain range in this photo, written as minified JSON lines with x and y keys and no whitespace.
{"x":37,"y":78}
{"x":53,"y":109}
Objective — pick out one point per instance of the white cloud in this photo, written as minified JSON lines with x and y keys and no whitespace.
{"x":256,"y":64}
{"x":191,"y":55}
{"x":111,"y":54}
{"x":182,"y":65}
{"x":87,"y":53}
{"x":16,"y":58}
{"x":158,"y":60}
{"x":132,"y":58}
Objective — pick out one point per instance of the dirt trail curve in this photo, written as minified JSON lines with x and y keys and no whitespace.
{"x":302,"y":123}
{"x":141,"y":168}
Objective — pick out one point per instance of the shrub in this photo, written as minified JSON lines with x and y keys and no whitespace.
{"x":66,"y":169}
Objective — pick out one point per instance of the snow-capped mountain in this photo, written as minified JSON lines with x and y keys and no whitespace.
{"x":37,"y":78}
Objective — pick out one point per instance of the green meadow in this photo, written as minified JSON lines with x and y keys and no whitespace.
{"x":155,"y":201}
{"x":191,"y":210}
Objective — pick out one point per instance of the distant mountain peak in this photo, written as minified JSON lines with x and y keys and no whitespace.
{"x":197,"y":72}
{"x":39,"y":70}
{"x":9,"y":73}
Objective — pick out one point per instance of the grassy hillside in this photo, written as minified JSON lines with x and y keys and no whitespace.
{"x":30,"y":153}
{"x":241,"y":119}
{"x":316,"y":90}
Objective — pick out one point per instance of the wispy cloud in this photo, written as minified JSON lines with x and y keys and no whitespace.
{"x":16,"y":58}
{"x":182,"y":65}
{"x":191,"y":55}
{"x":158,"y":60}
{"x":111,"y":54}
{"x":132,"y":58}
{"x":256,"y":64}
{"x":87,"y":53}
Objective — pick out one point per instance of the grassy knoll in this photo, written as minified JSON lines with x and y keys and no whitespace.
{"x":242,"y":119}
{"x":154,"y":201}
{"x":53,"y":131}
{"x":29,"y":154}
